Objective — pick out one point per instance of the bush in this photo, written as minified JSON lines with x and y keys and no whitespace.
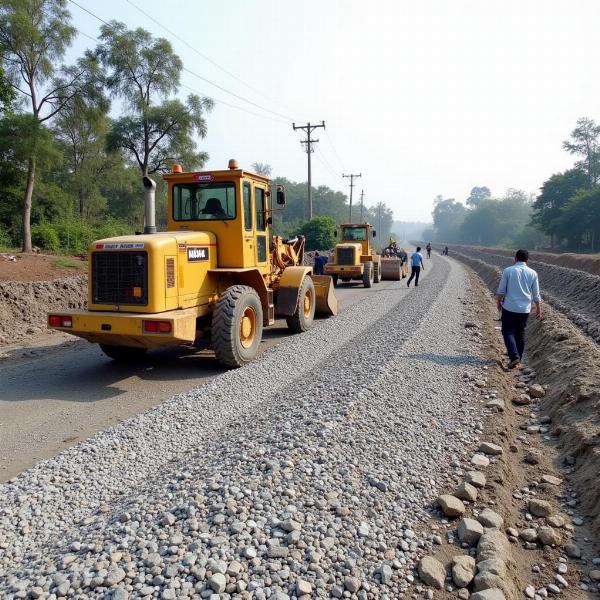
{"x":5,"y":239}
{"x":45,"y":236}
{"x":319,"y":233}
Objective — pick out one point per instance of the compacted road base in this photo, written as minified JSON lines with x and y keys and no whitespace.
{"x":308,"y":473}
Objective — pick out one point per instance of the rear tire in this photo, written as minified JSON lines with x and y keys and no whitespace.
{"x":123,"y":354}
{"x":237,"y":323}
{"x":368,"y":274}
{"x":377,"y":272}
{"x":304,"y":314}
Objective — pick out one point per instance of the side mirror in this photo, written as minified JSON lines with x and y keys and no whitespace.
{"x":374,"y":233}
{"x":335,"y":233}
{"x":280,"y":195}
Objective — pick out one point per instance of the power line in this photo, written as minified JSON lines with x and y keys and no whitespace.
{"x":198,"y":52}
{"x":220,"y":87}
{"x":341,"y":164}
{"x":309,"y":150}
{"x":352,"y":177}
{"x":323,"y":160}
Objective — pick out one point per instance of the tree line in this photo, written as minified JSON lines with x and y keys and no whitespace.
{"x":76,"y":139}
{"x":564,"y":215}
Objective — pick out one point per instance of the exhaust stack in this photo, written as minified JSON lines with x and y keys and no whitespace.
{"x":149,"y":205}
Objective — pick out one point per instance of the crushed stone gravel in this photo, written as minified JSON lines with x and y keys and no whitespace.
{"x":314,"y":468}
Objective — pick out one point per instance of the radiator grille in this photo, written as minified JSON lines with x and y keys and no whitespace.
{"x":345,"y":256}
{"x":120,"y":278}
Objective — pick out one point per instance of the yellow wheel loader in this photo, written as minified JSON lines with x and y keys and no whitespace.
{"x":354,"y":257}
{"x":216,"y":277}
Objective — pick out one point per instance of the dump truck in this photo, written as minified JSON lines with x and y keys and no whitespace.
{"x":354,"y":258}
{"x":215,"y":278}
{"x":394,"y":262}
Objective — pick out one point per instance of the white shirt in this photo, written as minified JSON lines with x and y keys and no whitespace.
{"x":520,"y":286}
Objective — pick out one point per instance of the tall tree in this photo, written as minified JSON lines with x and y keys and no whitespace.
{"x":585,"y":142}
{"x":478,"y":195}
{"x":34,"y":35}
{"x":264,"y":169}
{"x":555,"y":193}
{"x":144,"y":72}
{"x":7,"y":92}
{"x":448,"y":216}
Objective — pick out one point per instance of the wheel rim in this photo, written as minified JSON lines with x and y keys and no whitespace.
{"x":307,"y":303}
{"x":248,"y":327}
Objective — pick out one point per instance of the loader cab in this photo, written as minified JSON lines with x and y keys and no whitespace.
{"x":233,"y":204}
{"x":361,"y":233}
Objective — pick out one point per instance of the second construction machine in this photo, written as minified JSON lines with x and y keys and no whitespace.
{"x":216,"y":277}
{"x":354,"y":256}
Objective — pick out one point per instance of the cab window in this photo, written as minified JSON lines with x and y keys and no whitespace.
{"x":247,"y":207}
{"x":204,"y":201}
{"x":259,"y":199}
{"x":354,"y":234}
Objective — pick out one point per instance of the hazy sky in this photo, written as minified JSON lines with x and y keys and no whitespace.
{"x":424,"y":97}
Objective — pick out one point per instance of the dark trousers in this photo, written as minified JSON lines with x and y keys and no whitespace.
{"x":415,"y":275}
{"x":513,"y":332}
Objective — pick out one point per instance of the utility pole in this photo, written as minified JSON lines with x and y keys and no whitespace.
{"x":309,"y":128}
{"x":352,"y":176}
{"x":362,"y":203}
{"x":379,"y":217}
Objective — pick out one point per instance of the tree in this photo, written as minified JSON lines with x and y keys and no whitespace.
{"x":34,"y":35}
{"x":448,"y":216}
{"x":478,"y":195}
{"x":140,"y":70}
{"x":263,"y":169}
{"x":318,"y":233}
{"x":585,"y":142}
{"x":7,"y":92}
{"x":555,"y":193}
{"x":580,"y":218}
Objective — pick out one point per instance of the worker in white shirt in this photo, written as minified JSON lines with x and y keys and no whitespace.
{"x":519,"y":288}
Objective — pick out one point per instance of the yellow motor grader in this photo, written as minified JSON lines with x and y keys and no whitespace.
{"x":354,"y":257}
{"x":215,"y":277}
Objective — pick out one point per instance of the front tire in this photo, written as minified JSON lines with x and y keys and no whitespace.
{"x":237,"y":323}
{"x":335,"y":280}
{"x":368,"y":274}
{"x":304,"y":314}
{"x":377,"y":272}
{"x":123,"y":354}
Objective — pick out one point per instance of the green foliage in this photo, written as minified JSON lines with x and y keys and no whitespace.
{"x":318,"y":233}
{"x":478,"y":195}
{"x":65,"y":262}
{"x":5,"y":239}
{"x":585,"y":142}
{"x":44,"y":236}
{"x":141,"y":68}
{"x":448,"y":216}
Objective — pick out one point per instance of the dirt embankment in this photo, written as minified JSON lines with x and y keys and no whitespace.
{"x":24,"y":305}
{"x":580,"y":262}
{"x":568,"y":363}
{"x":576,"y":294}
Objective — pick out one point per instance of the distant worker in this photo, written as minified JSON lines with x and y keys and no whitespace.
{"x":416,"y":261}
{"x":428,"y":248}
{"x":445,"y":251}
{"x":320,"y":262}
{"x":519,"y":286}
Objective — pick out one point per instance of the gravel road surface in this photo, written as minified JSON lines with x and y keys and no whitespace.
{"x":306,"y":474}
{"x":63,"y":390}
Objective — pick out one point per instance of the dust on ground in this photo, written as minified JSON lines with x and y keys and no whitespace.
{"x":39,"y":267}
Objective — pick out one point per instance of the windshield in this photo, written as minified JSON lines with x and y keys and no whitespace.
{"x":204,"y":201}
{"x":354,"y":234}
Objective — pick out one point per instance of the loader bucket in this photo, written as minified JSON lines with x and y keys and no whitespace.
{"x":391,"y":269}
{"x":327,"y":303}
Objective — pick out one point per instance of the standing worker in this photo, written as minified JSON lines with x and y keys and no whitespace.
{"x":428,"y":248}
{"x":320,"y":262}
{"x":416,"y":260}
{"x":519,"y":286}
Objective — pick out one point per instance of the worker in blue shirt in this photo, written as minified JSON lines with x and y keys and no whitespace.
{"x":519,"y":287}
{"x":416,"y":261}
{"x":320,"y":262}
